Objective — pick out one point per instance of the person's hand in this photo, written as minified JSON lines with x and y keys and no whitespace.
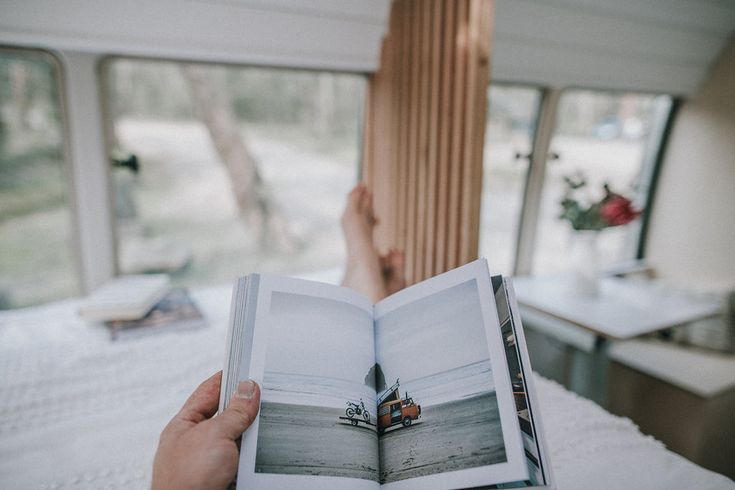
{"x":198,"y":451}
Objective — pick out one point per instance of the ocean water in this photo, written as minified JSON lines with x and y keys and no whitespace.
{"x":301,"y":389}
{"x":454,"y":384}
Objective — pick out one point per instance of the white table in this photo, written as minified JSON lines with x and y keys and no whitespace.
{"x":79,"y":411}
{"x":623,"y":309}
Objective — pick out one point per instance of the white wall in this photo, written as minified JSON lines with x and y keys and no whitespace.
{"x":663,"y":46}
{"x":692,"y":234}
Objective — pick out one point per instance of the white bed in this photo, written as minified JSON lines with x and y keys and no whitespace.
{"x":79,"y":411}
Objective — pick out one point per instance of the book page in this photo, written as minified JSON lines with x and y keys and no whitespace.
{"x":313,"y":355}
{"x":438,"y":346}
{"x":544,"y":464}
{"x":514,"y":345}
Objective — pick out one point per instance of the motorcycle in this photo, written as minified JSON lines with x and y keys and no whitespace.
{"x":357,"y":409}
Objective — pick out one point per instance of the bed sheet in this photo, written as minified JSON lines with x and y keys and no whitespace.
{"x":80,"y":411}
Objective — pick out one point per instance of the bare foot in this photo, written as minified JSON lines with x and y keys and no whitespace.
{"x":393,"y":264}
{"x":366,"y":271}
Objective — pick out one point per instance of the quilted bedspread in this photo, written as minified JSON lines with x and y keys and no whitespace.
{"x":80,"y":411}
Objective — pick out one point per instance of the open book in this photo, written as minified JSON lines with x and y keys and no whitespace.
{"x":429,"y":388}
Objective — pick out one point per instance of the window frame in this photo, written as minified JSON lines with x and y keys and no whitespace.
{"x":666,"y":127}
{"x":103,"y":70}
{"x":544,"y":130}
{"x":67,"y":162}
{"x":528,"y":221}
{"x":521,"y":235}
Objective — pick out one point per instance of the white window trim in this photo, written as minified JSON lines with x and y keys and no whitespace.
{"x":90,"y":169}
{"x":528,"y":226}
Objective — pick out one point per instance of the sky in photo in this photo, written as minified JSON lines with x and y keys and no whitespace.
{"x":434,"y":334}
{"x":313,"y":336}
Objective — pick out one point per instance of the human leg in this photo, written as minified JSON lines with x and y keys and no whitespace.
{"x":366,"y":270}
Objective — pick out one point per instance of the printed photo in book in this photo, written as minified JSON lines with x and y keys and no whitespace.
{"x":318,"y":367}
{"x":435,"y":349}
{"x":413,"y":392}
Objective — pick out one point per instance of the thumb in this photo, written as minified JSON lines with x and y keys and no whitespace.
{"x":241,"y":411}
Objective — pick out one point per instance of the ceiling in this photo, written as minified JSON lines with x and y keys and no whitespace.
{"x":643,"y":45}
{"x":324,"y":34}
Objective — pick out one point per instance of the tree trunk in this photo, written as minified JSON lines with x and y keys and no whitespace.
{"x":255,"y":203}
{"x":20,"y":81}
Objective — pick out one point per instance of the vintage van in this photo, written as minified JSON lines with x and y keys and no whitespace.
{"x":396,"y":412}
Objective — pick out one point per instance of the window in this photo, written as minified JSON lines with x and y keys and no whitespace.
{"x":603,"y":137}
{"x":37,"y":258}
{"x":221,"y":170}
{"x":511,"y":124}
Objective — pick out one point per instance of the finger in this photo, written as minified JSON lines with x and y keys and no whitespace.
{"x":241,"y":411}
{"x":202,"y":404}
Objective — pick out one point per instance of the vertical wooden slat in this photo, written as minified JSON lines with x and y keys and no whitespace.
{"x":422,"y":149}
{"x":402,"y":100}
{"x":457,"y":131}
{"x":450,"y":33}
{"x":483,"y":17}
{"x":424,"y":131}
{"x":413,"y":129}
{"x":390,"y":142}
{"x":469,"y":171}
{"x":393,"y":143}
{"x":433,"y":142}
{"x":385,"y":206}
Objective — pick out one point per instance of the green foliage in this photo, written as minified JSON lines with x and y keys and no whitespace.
{"x":580,"y":216}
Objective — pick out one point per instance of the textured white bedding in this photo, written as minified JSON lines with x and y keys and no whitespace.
{"x":79,"y":411}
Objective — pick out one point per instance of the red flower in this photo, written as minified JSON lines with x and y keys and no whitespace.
{"x":618,"y":210}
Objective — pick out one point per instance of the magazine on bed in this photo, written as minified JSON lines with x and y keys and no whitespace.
{"x":428,"y":388}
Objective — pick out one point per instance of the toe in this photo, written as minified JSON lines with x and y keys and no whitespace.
{"x":397,"y":259}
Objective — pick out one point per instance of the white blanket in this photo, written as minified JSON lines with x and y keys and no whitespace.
{"x":80,"y":411}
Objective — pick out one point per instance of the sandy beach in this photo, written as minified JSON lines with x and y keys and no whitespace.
{"x":308,"y":440}
{"x":448,"y":437}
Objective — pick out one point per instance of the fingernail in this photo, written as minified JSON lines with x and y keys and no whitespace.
{"x":245,"y":390}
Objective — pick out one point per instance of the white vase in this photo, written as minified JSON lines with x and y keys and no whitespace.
{"x":584,"y":257}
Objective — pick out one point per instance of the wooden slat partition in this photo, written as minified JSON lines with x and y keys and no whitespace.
{"x":424,"y":132}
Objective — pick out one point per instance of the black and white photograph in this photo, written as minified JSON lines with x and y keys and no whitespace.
{"x":317,"y":381}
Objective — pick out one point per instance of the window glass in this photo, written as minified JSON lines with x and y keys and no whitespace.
{"x":601,"y":137}
{"x":37,"y":258}
{"x":221,"y":171}
{"x":511,"y":122}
